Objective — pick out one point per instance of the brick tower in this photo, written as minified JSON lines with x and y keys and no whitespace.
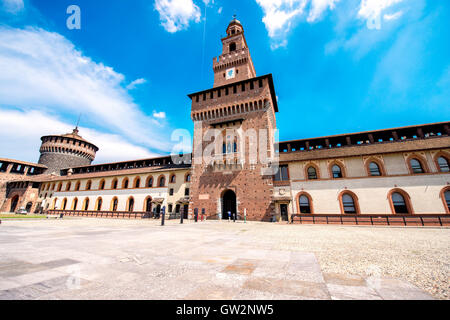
{"x":227,"y":118}
{"x":66,"y":151}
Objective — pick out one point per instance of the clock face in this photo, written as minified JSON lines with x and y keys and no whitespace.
{"x":231,"y":73}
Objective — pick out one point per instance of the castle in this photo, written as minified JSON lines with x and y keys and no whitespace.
{"x":402,"y":171}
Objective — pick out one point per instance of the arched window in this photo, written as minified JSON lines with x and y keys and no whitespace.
{"x":446,"y":199}
{"x":149,"y":182}
{"x":102,"y":184}
{"x":125,"y":183}
{"x":416,"y":166}
{"x":443,"y":164}
{"x":148,"y":204}
{"x":232,"y":46}
{"x":312,"y":173}
{"x":228,"y":147}
{"x":74,"y":204}
{"x":224,"y":148}
{"x":114,"y":204}
{"x":304,"y":203}
{"x":77,"y":186}
{"x":234,"y":147}
{"x":54,"y":203}
{"x":349,"y":202}
{"x":400,"y":202}
{"x":374,"y":169}
{"x":130,"y":204}
{"x":172,"y":178}
{"x":162,"y":181}
{"x":137,"y":183}
{"x":89,"y":185}
{"x":68,"y":185}
{"x":98,"y":205}
{"x":64,"y":204}
{"x":59,"y":186}
{"x":336,"y":171}
{"x":86,"y":204}
{"x":114,"y":184}
{"x":188,"y":178}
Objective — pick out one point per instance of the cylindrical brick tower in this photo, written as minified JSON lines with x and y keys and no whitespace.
{"x":66,"y":151}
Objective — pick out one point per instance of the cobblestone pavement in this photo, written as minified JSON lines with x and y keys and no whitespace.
{"x":127,"y":259}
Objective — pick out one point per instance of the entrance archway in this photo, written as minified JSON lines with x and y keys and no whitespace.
{"x":14,"y":203}
{"x":228,"y":203}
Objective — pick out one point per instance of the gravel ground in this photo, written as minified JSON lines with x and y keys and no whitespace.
{"x":418,"y":255}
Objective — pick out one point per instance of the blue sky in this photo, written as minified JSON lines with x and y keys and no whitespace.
{"x":339,"y":66}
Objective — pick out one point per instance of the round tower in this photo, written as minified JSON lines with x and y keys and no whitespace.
{"x":66,"y":151}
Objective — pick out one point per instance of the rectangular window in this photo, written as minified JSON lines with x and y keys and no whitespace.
{"x":226,"y":91}
{"x":211,"y":95}
{"x":243,"y":87}
{"x":186,"y":191}
{"x":197,"y":98}
{"x":252,"y":86}
{"x":234,"y":89}
{"x":282,"y":174}
{"x":260,"y":83}
{"x":170,"y":192}
{"x":219,"y":93}
{"x":204,"y":96}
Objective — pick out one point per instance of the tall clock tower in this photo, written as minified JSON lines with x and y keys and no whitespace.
{"x":235,"y":62}
{"x":234,"y":125}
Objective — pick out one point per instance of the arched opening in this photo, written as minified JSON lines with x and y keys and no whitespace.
{"x":77,"y":186}
{"x":14,"y":202}
{"x":125,"y":183}
{"x":304,"y":203}
{"x":162,"y":181}
{"x":149,"y":183}
{"x":29,"y":206}
{"x":74,"y":204}
{"x":86,"y":204}
{"x":114,"y":204}
{"x":228,"y":203}
{"x":349,"y":202}
{"x":98,"y":205}
{"x":336,"y":171}
{"x":312,"y":173}
{"x":188,"y":178}
{"x":64,"y":204}
{"x":89,"y":185}
{"x":374,"y":169}
{"x":232,"y":46}
{"x":68,"y":185}
{"x":416,"y":166}
{"x":130,"y":204}
{"x":148,"y":204}
{"x":114,"y":184}
{"x":137,"y":183}
{"x":400,"y":202}
{"x":445,"y":195}
{"x":443,"y":164}
{"x":172,"y":179}
{"x":102,"y":184}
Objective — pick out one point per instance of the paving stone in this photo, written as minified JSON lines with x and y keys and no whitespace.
{"x":344,"y":280}
{"x":352,"y":292}
{"x":393,"y":289}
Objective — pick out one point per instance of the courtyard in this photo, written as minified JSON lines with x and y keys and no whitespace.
{"x":88,"y":258}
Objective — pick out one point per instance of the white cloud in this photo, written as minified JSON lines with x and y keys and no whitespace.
{"x":393,"y":16}
{"x":24,"y":129}
{"x":279,"y":15}
{"x":159,"y":115}
{"x":175,"y":15}
{"x":12,"y":6}
{"x":220,"y":10}
{"x":41,"y":69}
{"x":372,"y":9}
{"x":318,"y":7}
{"x":135,"y":83}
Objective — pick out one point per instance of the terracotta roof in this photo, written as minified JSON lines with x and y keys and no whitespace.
{"x":31,"y":164}
{"x":112,"y":173}
{"x":367,"y":132}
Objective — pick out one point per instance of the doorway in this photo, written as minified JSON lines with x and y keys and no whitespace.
{"x":228,"y":204}
{"x":185,"y":211}
{"x":14,"y":203}
{"x":284,"y":212}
